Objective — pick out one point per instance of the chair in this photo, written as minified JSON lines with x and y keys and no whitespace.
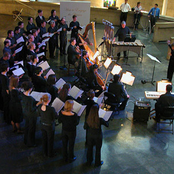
{"x":111,"y":100}
{"x":17,"y":15}
{"x":166,"y":118}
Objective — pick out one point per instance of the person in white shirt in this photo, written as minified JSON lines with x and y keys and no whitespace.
{"x":137,"y":15}
{"x":125,"y":7}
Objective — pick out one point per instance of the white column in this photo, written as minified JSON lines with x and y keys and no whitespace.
{"x":164,"y":9}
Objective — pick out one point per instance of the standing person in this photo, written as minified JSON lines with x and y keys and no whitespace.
{"x":117,"y":88}
{"x":43,"y":29}
{"x":52,"y":40}
{"x":29,"y":106}
{"x":39,"y":18}
{"x":63,"y":36}
{"x":121,"y":34}
{"x":83,"y":64}
{"x":125,"y":7}
{"x":74,"y":26}
{"x":17,"y":31}
{"x":95,"y":135}
{"x":137,"y":15}
{"x":69,"y":121}
{"x":4,"y":81}
{"x":30,"y":25}
{"x":154,"y":15}
{"x":22,"y":30}
{"x":171,"y":62}
{"x":15,"y":106}
{"x":48,"y":115}
{"x":10,"y":36}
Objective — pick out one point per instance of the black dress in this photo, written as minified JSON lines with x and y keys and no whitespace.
{"x":48,"y":128}
{"x":95,"y":139}
{"x":30,"y":116}
{"x":15,"y":106}
{"x":69,"y":124}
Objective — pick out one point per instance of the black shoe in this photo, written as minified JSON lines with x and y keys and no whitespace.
{"x":101,"y":163}
{"x":72,"y":159}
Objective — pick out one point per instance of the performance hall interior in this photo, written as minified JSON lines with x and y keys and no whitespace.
{"x":129,"y":147}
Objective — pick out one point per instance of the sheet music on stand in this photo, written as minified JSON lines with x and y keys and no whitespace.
{"x":153,"y":58}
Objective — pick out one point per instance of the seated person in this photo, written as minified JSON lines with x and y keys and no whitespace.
{"x":117,"y":88}
{"x":166,"y":99}
{"x":83,"y":64}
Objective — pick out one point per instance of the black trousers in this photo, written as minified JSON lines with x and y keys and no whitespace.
{"x":124,"y":52}
{"x":63,"y":43}
{"x":136,"y":20}
{"x":170,"y":70}
{"x":48,"y":139}
{"x":94,"y":140}
{"x":123,"y":16}
{"x":153,"y":20}
{"x":158,"y":110}
{"x":68,"y":141}
{"x":52,"y":46}
{"x":30,"y":129}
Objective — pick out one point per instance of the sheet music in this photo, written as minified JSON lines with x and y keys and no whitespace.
{"x":49,"y":20}
{"x":96,"y":54}
{"x":18,"y":72}
{"x":51,"y":34}
{"x":127,"y":80}
{"x":104,"y":114}
{"x":75,"y":92}
{"x":19,"y":40}
{"x":37,"y":95}
{"x":45,"y":35}
{"x":153,"y":58}
{"x":58,"y":104}
{"x":41,"y":54}
{"x":19,"y":49}
{"x":98,"y":100}
{"x":60,"y":83}
{"x":42,"y":44}
{"x":78,"y":108}
{"x":21,"y":62}
{"x":81,"y":27}
{"x":46,"y":40}
{"x":49,"y":73}
{"x":44,"y":65}
{"x":60,"y":29}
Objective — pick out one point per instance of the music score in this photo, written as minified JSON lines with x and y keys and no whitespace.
{"x":154,"y":94}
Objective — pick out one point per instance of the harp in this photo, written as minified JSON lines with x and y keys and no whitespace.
{"x":90,"y":26}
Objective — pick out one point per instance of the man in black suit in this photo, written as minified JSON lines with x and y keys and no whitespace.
{"x":166,"y":99}
{"x":72,"y":53}
{"x":117,"y":88}
{"x":40,"y":18}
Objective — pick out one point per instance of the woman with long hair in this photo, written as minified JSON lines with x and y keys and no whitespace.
{"x":15,"y":104}
{"x":29,"y":106}
{"x":94,"y":135}
{"x":69,"y":121}
{"x":64,"y":93}
{"x":48,"y":115}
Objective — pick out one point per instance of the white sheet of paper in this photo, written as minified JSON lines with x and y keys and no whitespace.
{"x":20,"y":62}
{"x":51,"y":34}
{"x":104,"y":114}
{"x":60,"y":83}
{"x":18,"y":72}
{"x":153,"y":58}
{"x":42,"y":44}
{"x":96,"y":54}
{"x":57,"y":104}
{"x":19,"y":40}
{"x":37,"y":95}
{"x":75,"y":92}
{"x":46,"y":40}
{"x":19,"y":49}
{"x":49,"y":73}
{"x":127,"y":80}
{"x":44,"y":65}
{"x":41,"y":54}
{"x":78,"y":108}
{"x":45,"y":35}
{"x":49,"y":20}
{"x":60,"y":29}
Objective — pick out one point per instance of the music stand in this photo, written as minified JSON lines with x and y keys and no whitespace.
{"x":152,"y":80}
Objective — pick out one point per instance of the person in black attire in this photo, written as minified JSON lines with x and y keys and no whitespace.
{"x":64,"y":93}
{"x":5,"y":59}
{"x":30,"y":25}
{"x":48,"y":115}
{"x":121,"y":34}
{"x":22,"y":30}
{"x":69,"y":122}
{"x":15,"y":106}
{"x":63,"y":36}
{"x":83,"y":65}
{"x":89,"y":102}
{"x":17,"y":33}
{"x":171,"y":62}
{"x":29,"y":106}
{"x":92,"y":80}
{"x":10,"y":36}
{"x":52,"y":40}
{"x":51,"y":89}
{"x":6,"y":48}
{"x":36,"y":39}
{"x":30,"y":49}
{"x":4,"y":81}
{"x":72,"y":53}
{"x":39,"y":18}
{"x":74,"y":26}
{"x":43,"y":29}
{"x":165,"y":100}
{"x":39,"y":82}
{"x":117,"y":88}
{"x":95,"y":135}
